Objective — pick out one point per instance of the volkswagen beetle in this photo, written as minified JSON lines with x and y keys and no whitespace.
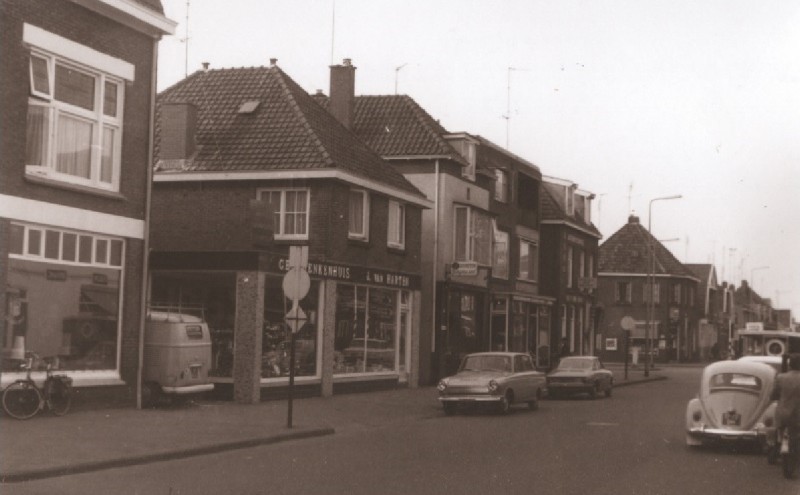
{"x":499,"y":378}
{"x":734,"y":404}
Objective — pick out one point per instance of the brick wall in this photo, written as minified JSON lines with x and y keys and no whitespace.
{"x":214,"y":217}
{"x":68,"y":20}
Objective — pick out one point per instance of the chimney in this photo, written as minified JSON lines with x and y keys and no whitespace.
{"x":178,"y":126}
{"x":633,"y":219}
{"x":273,"y":62}
{"x":343,"y":88}
{"x":205,"y":66}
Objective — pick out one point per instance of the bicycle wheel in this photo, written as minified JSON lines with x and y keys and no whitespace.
{"x":21,"y":400}
{"x":59,"y":396}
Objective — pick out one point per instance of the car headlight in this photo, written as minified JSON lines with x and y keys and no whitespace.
{"x":493,"y":386}
{"x":442,"y":386}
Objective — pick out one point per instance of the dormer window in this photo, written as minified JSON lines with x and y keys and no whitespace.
{"x":468,"y":172}
{"x":501,"y":184}
{"x":570,"y":200}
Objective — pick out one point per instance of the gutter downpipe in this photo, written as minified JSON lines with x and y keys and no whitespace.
{"x":146,"y":240}
{"x":435,"y":253}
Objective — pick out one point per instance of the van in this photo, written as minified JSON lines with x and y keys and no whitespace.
{"x":177,"y":356}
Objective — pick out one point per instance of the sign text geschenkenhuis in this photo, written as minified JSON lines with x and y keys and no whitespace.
{"x":356,"y":274}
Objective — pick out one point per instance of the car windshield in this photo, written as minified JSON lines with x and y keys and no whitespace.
{"x":486,"y":363}
{"x":735,"y":381}
{"x":575,"y":364}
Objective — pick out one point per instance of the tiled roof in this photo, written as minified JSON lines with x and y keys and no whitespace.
{"x":488,"y":159}
{"x":288,"y":130}
{"x":395,"y":125}
{"x":626,"y":251}
{"x":552,"y":210}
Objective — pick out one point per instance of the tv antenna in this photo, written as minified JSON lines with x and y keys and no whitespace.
{"x":397,"y":73}
{"x":185,"y":40}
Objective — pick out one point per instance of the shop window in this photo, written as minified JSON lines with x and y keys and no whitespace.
{"x":65,"y":246}
{"x":358,"y":216}
{"x":518,"y":341}
{"x":290,"y":209}
{"x":276,"y":340}
{"x":61,"y":308}
{"x":367,"y":324}
{"x":499,"y":324}
{"x":396,"y":231}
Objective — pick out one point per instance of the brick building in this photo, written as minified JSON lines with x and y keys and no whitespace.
{"x":569,"y":265}
{"x":242,"y":151}
{"x":78,"y":95}
{"x":624,"y":290}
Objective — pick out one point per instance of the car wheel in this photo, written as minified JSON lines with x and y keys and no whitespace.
{"x":553,"y":394}
{"x":693,"y":442}
{"x":449,"y":408}
{"x":773,"y":454}
{"x":610,"y":388}
{"x":504,"y":407}
{"x":594,"y":391}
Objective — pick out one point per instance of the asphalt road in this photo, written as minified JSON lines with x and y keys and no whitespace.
{"x":632,"y":443}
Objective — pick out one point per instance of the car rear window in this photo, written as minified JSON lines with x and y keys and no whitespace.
{"x":194,"y":332}
{"x":728,"y":381}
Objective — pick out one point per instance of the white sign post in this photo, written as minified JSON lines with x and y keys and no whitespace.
{"x":296,"y":284}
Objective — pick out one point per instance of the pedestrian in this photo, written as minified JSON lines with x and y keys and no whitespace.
{"x":787,"y":413}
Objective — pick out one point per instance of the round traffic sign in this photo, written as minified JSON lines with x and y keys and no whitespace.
{"x":627,"y":323}
{"x":296,"y":284}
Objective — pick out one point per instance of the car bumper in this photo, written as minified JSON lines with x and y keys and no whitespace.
{"x":577,"y":387}
{"x":191,"y":389}
{"x":702,"y":432}
{"x":470,"y":398}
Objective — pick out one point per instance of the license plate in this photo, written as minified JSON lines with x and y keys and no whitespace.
{"x":195,"y":371}
{"x":731,"y":419}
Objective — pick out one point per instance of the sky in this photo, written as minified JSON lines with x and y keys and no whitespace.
{"x":631,"y":99}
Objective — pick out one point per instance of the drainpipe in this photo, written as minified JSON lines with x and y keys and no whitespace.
{"x":146,"y":239}
{"x":435,"y":253}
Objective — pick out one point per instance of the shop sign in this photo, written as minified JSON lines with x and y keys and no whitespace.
{"x":465,"y":268}
{"x":356,"y":274}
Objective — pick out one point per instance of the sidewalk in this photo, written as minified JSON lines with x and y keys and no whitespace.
{"x":47,"y":446}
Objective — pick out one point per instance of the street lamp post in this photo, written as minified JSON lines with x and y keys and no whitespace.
{"x":650,"y":280}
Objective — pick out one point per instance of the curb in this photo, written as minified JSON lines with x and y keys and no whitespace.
{"x":85,"y":467}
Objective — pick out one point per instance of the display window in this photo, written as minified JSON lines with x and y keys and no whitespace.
{"x":210,"y":295}
{"x":276,"y":341}
{"x":63,"y":297}
{"x":371,"y":330}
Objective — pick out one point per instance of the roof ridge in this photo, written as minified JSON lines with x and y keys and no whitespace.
{"x":296,"y":108}
{"x":421,"y":115}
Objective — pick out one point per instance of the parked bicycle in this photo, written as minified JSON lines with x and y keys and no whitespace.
{"x":23,"y":398}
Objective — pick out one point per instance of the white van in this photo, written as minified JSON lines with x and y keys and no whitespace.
{"x":177,"y":356}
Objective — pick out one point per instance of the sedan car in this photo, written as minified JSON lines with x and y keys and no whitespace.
{"x":580,"y":374}
{"x":735,"y":403}
{"x":499,"y":378}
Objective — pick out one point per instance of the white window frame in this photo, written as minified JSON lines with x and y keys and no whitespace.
{"x":471,"y":152}
{"x":94,"y":259}
{"x":281,"y":227}
{"x":361,"y":236}
{"x":623,"y":298}
{"x":396,"y":226}
{"x":532,"y":245}
{"x":471,"y":238}
{"x":58,"y":51}
{"x":501,"y":185}
{"x":496,"y":241}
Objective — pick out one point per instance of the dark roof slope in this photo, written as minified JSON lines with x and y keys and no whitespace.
{"x":626,"y":251}
{"x":552,"y":210}
{"x":701,"y":270}
{"x":288,"y":130}
{"x":395,"y":125}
